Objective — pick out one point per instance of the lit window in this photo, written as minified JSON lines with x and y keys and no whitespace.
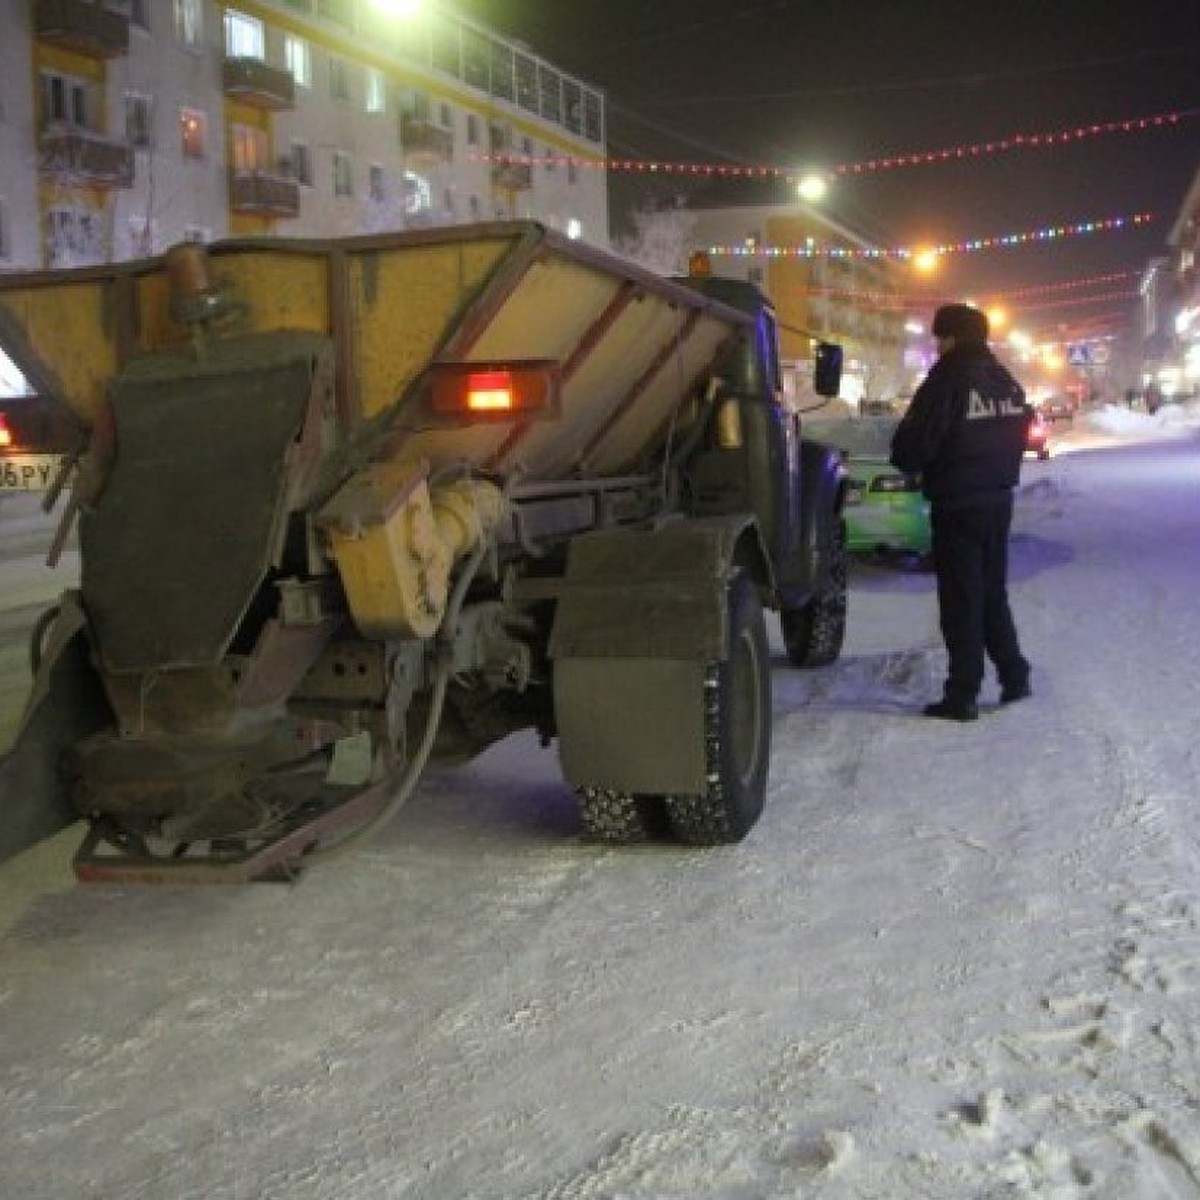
{"x":418,"y":195}
{"x":376,"y":91}
{"x":192,"y":123}
{"x":243,"y":36}
{"x":574,"y":228}
{"x":249,"y":146}
{"x":299,"y":60}
{"x":343,"y":176}
{"x":188,"y":28}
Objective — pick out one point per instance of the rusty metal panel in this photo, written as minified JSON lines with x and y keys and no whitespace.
{"x":185,"y":529}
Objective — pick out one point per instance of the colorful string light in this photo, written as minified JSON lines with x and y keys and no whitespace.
{"x":918,"y":158}
{"x":1004,"y":241}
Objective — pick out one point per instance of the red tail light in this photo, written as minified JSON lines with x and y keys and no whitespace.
{"x":495,"y":391}
{"x":491,"y":391}
{"x":6,"y":437}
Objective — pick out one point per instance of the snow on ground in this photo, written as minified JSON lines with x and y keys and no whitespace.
{"x":951,"y":961}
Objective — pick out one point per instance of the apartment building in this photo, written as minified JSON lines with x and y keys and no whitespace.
{"x":824,"y":285}
{"x":129,"y":125}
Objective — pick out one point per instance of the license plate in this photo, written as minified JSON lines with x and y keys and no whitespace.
{"x":28,"y":472}
{"x":854,"y":494}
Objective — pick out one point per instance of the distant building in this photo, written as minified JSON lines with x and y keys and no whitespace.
{"x":824,"y":284}
{"x":1174,"y":344}
{"x":130,"y":125}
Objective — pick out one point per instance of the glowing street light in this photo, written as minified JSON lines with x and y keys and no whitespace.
{"x":398,"y":8}
{"x":925,"y":261}
{"x":812,"y":187}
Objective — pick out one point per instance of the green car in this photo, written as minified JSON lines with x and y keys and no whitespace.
{"x":885,"y":511}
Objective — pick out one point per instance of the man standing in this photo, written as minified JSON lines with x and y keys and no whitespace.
{"x":964,"y":434}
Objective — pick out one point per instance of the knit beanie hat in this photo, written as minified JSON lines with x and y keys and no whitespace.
{"x":961,"y":322}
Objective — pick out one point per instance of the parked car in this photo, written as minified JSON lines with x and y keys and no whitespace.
{"x":1037,"y":439}
{"x":885,"y":511}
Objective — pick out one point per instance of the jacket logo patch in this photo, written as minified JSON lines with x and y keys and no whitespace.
{"x":980,"y":407}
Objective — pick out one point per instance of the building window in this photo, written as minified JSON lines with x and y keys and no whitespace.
{"x":418,"y":195}
{"x":4,"y":247}
{"x":197,"y":233}
{"x":243,"y":36}
{"x":474,"y":207}
{"x":375,"y":183}
{"x":504,"y":79}
{"x":446,"y":116}
{"x":300,"y":162}
{"x":138,"y":124}
{"x":472,"y":129}
{"x":188,"y":27}
{"x":339,"y":78}
{"x":74,"y":237}
{"x":343,"y":175}
{"x":65,"y":101}
{"x":248,"y":147}
{"x":527,"y":96}
{"x":376,"y":91}
{"x":136,"y":10}
{"x":572,"y":172}
{"x":192,"y":128}
{"x":298,"y":57}
{"x":337,"y":11}
{"x":550,"y":94}
{"x":414,"y":104}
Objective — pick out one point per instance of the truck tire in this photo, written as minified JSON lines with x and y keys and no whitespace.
{"x":813,"y":634}
{"x":620,"y":817}
{"x":737,"y":735}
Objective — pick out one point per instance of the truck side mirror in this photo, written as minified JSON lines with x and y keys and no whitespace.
{"x":827,"y":372}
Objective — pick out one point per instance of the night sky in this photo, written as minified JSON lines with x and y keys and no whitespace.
{"x":792,"y":82}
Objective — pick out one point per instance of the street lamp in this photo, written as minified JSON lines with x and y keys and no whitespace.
{"x":812,"y":187}
{"x":398,"y":8}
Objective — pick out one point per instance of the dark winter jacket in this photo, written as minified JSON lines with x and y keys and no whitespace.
{"x":964,"y":432}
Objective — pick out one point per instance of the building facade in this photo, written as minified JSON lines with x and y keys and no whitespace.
{"x":129,"y":125}
{"x":824,"y":285}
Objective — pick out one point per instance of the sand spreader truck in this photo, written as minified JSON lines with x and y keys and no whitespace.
{"x":352,"y":508}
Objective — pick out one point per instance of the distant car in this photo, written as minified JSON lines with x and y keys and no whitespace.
{"x":1037,"y":439}
{"x":1057,"y":408}
{"x":885,"y":511}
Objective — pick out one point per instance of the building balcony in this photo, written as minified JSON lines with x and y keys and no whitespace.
{"x":85,"y":28}
{"x":512,"y":176}
{"x":421,"y":140}
{"x":79,"y":157}
{"x":264,"y":195}
{"x":253,"y":82}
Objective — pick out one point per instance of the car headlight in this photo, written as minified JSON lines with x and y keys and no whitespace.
{"x":894,"y":483}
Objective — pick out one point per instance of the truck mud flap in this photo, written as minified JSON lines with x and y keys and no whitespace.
{"x":640,"y":618}
{"x":67,"y":703}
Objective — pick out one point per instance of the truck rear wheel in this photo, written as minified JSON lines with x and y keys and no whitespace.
{"x":813,"y":634}
{"x":737,"y":735}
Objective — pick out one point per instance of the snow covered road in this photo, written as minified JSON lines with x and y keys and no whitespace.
{"x":951,"y":961}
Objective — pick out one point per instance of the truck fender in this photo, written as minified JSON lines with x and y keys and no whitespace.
{"x":641,"y":617}
{"x":822,"y":499}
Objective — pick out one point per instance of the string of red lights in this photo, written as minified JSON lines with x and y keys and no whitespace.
{"x":918,"y":158}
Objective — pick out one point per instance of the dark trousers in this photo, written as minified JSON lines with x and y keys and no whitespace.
{"x":970,"y":555}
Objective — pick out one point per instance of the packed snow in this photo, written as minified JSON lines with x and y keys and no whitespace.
{"x":951,"y":960}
